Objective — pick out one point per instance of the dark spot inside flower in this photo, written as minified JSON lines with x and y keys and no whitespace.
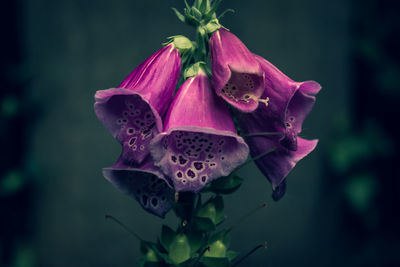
{"x":247,"y":96}
{"x":291,"y":118}
{"x":142,"y":124}
{"x":222,"y":158}
{"x":203,"y":179}
{"x":124,"y":120}
{"x":148,"y":116}
{"x":190,"y":173}
{"x":193,"y":147}
{"x":233,"y":88}
{"x":144,"y":200}
{"x":173,"y":158}
{"x":182,"y":160}
{"x":131,"y":131}
{"x":125,"y":113}
{"x":288,"y":125}
{"x":198,"y":165}
{"x":219,"y":151}
{"x":210,"y":156}
{"x":212,"y":164}
{"x":179,"y":174}
{"x":132,"y":141}
{"x":198,"y":150}
{"x":154,"y":202}
{"x":184,"y":181}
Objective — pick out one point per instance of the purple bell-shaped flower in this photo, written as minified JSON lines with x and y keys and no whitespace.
{"x":199,"y":142}
{"x":132,"y":112}
{"x":274,"y":127}
{"x":145,"y":183}
{"x":236,"y":74}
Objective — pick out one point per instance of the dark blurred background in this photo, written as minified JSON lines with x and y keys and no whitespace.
{"x":342,"y":200}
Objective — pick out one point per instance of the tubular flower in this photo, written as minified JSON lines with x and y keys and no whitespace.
{"x":276,"y":127}
{"x":145,"y":183}
{"x":132,"y":112}
{"x":199,"y":142}
{"x":237,"y":75}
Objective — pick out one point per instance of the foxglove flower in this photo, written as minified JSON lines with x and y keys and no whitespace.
{"x":132,"y":112}
{"x":199,"y":142}
{"x":145,"y":183}
{"x":237,"y":75}
{"x":275,"y":127}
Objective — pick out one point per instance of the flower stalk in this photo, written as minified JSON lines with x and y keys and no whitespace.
{"x":177,"y":118}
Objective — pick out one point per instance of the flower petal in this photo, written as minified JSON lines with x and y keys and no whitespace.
{"x":145,"y":183}
{"x":237,"y":76}
{"x":130,"y":119}
{"x":199,"y":142}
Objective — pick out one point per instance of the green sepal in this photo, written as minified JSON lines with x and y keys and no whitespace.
{"x":182,"y":43}
{"x":204,"y":224}
{"x":213,"y":9}
{"x":226,"y":185}
{"x":167,"y":236}
{"x":215,"y":262}
{"x":204,"y":6}
{"x":231,"y":255}
{"x":194,"y":69}
{"x":179,"y":250}
{"x":190,"y":19}
{"x":180,"y":16}
{"x":212,"y":26}
{"x":196,"y":13}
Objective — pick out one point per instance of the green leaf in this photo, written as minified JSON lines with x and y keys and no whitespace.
{"x":231,"y":255}
{"x":215,"y":262}
{"x":204,"y":224}
{"x":167,"y":236}
{"x":179,"y":15}
{"x":226,"y":185}
{"x":179,"y":250}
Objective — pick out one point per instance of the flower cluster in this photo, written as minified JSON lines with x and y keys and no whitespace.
{"x":182,"y":140}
